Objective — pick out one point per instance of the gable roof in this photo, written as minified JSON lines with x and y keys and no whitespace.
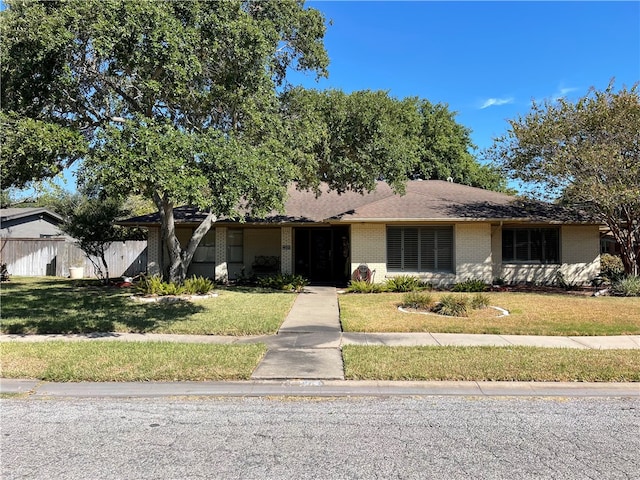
{"x":428,"y":200}
{"x":7,"y":214}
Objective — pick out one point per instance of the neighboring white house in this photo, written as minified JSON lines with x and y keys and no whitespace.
{"x":439,"y":231}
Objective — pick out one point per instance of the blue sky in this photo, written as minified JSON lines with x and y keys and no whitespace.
{"x":486,"y":60}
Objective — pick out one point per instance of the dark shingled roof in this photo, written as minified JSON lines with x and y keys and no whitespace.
{"x":431,"y":200}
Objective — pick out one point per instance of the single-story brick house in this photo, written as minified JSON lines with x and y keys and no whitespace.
{"x":439,"y":231}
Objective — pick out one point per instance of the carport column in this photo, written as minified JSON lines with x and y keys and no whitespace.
{"x":286,"y":242}
{"x":221,"y":273}
{"x":154,"y":247}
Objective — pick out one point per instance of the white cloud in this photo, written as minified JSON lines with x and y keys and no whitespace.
{"x":562,"y":92}
{"x":493,"y":102}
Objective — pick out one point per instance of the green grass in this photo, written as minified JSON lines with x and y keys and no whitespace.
{"x":490,"y":364}
{"x":530,"y":314}
{"x":49,"y":305}
{"x":105,"y":361}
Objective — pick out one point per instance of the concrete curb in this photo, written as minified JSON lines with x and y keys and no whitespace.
{"x":315,"y":388}
{"x":336,"y":339}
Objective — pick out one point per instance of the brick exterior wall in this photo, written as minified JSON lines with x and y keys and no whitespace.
{"x":580,"y":250}
{"x":477,"y":255}
{"x":473,"y":252}
{"x":369,"y":245}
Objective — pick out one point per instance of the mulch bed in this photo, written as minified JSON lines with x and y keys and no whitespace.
{"x":584,"y":291}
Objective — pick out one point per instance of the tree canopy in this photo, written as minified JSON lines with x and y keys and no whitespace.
{"x":178,"y":99}
{"x":445,"y":151}
{"x":187,"y":102}
{"x":588,"y":154}
{"x":351,"y":140}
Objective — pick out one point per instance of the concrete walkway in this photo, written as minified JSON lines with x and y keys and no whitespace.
{"x":308,"y":344}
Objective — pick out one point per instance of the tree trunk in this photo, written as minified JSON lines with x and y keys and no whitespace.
{"x":104,"y":262}
{"x":179,"y":259}
{"x":628,"y":237}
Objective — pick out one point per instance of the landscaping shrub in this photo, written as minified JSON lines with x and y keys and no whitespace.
{"x":360,"y":286}
{"x":418,"y":300}
{"x":150,"y":285}
{"x":611,"y":267}
{"x":286,"y":282}
{"x":198,"y":285}
{"x":173,"y":289}
{"x":155,"y":286}
{"x":479,"y":301}
{"x":453,"y":305}
{"x":470,"y":285}
{"x":627,"y":287}
{"x":403,"y":283}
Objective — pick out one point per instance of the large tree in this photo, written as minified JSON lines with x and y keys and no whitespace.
{"x":351,"y":140}
{"x":446,"y":151}
{"x":587,"y":153}
{"x":177,"y":100}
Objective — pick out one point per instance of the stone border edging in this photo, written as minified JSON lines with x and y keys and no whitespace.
{"x":503,"y":312}
{"x":171,"y":298}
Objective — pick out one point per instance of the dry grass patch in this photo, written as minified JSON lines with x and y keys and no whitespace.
{"x":104,"y":361}
{"x":530,"y":314}
{"x":491,"y":364}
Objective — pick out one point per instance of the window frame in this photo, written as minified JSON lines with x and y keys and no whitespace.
{"x":233,"y":247}
{"x":549,"y":254}
{"x":412,"y":242}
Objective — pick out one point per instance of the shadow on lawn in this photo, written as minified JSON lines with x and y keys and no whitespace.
{"x":61,"y":306}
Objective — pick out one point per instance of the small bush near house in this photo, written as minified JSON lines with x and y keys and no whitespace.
{"x":198,"y":286}
{"x":453,"y":305}
{"x":479,"y":301}
{"x":403,"y":283}
{"x":173,"y":289}
{"x":470,"y":285}
{"x":285,"y":282}
{"x":192,"y":286}
{"x":360,"y":286}
{"x":627,"y":287}
{"x":421,"y":301}
{"x":151,"y":285}
{"x":611,"y":267}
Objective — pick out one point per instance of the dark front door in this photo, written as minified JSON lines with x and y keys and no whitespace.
{"x":322,"y":254}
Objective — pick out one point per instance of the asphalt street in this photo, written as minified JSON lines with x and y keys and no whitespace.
{"x":431,"y":437}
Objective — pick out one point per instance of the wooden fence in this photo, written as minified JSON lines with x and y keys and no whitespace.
{"x":53,"y":256}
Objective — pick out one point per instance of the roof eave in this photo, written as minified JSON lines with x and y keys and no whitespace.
{"x":461,"y":220}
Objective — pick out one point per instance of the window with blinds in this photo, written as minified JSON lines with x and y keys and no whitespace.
{"x":420,"y":249}
{"x":531,"y":245}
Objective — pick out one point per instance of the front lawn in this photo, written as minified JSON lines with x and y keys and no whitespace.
{"x":104,"y":361}
{"x":50,"y":305}
{"x":530,"y":314}
{"x":490,"y":364}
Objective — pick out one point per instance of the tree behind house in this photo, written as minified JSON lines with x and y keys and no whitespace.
{"x":588,"y":154}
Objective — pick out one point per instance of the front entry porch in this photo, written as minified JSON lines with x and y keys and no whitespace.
{"x":322,"y":254}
